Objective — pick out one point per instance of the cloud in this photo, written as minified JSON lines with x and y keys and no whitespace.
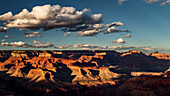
{"x":7,"y":36}
{"x":98,"y":26}
{"x":152,"y":1}
{"x":162,"y":2}
{"x":43,"y":45}
{"x":3,"y":40}
{"x":6,"y":16}
{"x":165,"y":2}
{"x":93,"y":32}
{"x":47,"y":17}
{"x":89,"y":46}
{"x":120,"y":2}
{"x":67,"y":33}
{"x":128,"y":35}
{"x":115,"y":24}
{"x":63,"y":47}
{"x":112,"y":30}
{"x":50,"y":17}
{"x":118,"y":41}
{"x":3,"y":29}
{"x":36,"y":42}
{"x":26,"y":45}
{"x":34,"y":34}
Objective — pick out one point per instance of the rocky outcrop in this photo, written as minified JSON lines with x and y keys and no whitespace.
{"x":161,"y":55}
{"x":93,"y":76}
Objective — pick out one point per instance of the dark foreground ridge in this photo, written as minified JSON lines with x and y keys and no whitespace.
{"x":83,"y":73}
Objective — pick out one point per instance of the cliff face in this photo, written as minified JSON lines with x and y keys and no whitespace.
{"x":35,"y":65}
{"x":64,"y":71}
{"x":161,"y":55}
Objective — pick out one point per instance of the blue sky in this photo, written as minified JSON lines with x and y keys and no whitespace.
{"x":148,"y":24}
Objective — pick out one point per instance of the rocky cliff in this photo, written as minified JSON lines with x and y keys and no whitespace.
{"x":67,"y":71}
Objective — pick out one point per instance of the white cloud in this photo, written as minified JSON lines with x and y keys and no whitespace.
{"x":67,"y":33}
{"x":49,"y":17}
{"x":89,"y":46}
{"x":165,"y":2}
{"x":112,"y":30}
{"x":98,"y":26}
{"x":162,"y":2}
{"x":63,"y":47}
{"x":128,"y":35}
{"x":26,"y":45}
{"x":89,"y":32}
{"x":34,"y":34}
{"x":43,"y":45}
{"x":6,"y":16}
{"x":120,"y":2}
{"x":118,"y":41}
{"x":152,"y":1}
{"x":36,"y":42}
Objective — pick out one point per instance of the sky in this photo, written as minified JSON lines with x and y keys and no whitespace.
{"x":85,"y":24}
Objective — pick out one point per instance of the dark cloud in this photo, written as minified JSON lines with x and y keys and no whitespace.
{"x":3,"y":29}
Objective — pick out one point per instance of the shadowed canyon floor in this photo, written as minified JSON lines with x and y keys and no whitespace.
{"x":84,"y":73}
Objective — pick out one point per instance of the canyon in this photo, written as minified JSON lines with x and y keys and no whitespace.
{"x":78,"y":72}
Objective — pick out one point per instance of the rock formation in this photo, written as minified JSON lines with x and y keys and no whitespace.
{"x":70,"y":71}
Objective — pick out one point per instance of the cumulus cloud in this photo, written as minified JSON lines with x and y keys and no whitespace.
{"x":36,"y":42}
{"x":26,"y":45}
{"x":3,"y":29}
{"x":128,"y":35}
{"x":6,"y":16}
{"x":34,"y":34}
{"x":119,"y":41}
{"x":83,"y":22}
{"x":49,"y":17}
